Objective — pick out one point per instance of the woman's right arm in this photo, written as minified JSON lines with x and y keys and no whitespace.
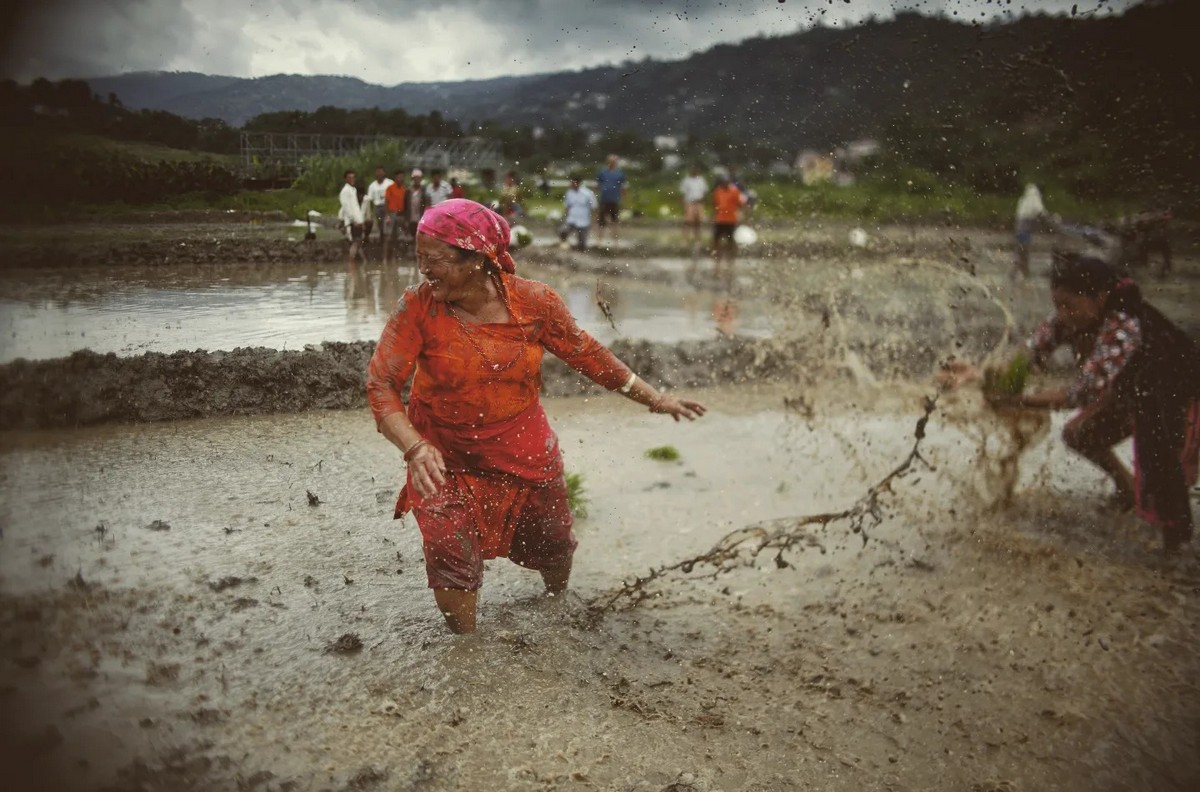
{"x":394,"y":361}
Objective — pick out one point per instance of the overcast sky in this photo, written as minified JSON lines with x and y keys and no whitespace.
{"x":391,"y":41}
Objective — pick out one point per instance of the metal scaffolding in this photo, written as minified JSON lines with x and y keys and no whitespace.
{"x":287,"y":151}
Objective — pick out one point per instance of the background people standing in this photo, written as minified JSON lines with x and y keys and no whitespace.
{"x":437,"y":190}
{"x":611,"y":184}
{"x":394,"y":201}
{"x":415,"y":205}
{"x":728,"y":201}
{"x":693,"y":189}
{"x":377,"y":192}
{"x":1030,"y":210}
{"x":579,"y":203}
{"x":350,"y":212}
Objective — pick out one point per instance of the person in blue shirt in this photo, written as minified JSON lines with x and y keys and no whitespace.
{"x":611,"y":184}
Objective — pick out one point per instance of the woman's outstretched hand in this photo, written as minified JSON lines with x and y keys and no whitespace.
{"x":678,"y":408}
{"x":427,"y":470}
{"x":957,"y":373}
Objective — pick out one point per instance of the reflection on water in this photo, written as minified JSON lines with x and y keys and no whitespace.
{"x":130,"y":310}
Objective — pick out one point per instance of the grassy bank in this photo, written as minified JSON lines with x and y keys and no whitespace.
{"x":657,"y":199}
{"x":144,"y":169}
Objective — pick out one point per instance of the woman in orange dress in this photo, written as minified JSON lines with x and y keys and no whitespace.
{"x":485,"y":473}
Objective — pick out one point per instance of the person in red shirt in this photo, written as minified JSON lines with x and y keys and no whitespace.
{"x":485,"y":473}
{"x":728,"y":201}
{"x":394,"y":200}
{"x":456,"y":189}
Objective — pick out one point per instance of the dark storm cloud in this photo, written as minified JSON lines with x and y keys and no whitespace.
{"x":415,"y":40}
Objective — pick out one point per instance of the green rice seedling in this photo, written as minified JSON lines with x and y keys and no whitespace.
{"x":1009,"y":380}
{"x":663,"y":454}
{"x":577,"y":497}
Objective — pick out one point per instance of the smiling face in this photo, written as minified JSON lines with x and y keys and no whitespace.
{"x":448,"y":274}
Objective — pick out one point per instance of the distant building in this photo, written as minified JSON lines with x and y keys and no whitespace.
{"x":666,"y":143}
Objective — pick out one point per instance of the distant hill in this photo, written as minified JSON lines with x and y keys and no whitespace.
{"x":816,"y":88}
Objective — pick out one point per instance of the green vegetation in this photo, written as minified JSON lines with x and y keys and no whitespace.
{"x":1009,"y":380}
{"x":57,"y":172}
{"x":577,"y":495}
{"x":663,"y":454}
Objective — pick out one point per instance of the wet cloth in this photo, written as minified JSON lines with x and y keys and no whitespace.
{"x":504,"y":496}
{"x":471,"y":226}
{"x":1156,"y":382}
{"x":475,"y":398}
{"x":473,"y":518}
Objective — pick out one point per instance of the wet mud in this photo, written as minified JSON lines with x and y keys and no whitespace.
{"x":185,"y":249}
{"x":1032,"y":647}
{"x":1001,"y":630}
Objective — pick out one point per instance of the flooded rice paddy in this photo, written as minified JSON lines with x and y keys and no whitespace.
{"x":130,"y":310}
{"x":226,"y":603}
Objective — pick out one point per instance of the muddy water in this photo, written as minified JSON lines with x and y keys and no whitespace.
{"x":129,"y":310}
{"x":195,"y":656}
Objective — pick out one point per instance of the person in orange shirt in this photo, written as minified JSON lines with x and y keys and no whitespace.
{"x":485,"y":473}
{"x":394,"y":199}
{"x":728,"y":201}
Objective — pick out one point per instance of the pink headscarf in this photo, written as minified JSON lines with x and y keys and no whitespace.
{"x":471,"y":226}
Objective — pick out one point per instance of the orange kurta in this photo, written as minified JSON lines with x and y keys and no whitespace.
{"x":475,"y":398}
{"x":455,"y":369}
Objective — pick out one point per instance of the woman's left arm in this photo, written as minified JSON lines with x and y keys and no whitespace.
{"x":1057,"y":399}
{"x":579,"y":350}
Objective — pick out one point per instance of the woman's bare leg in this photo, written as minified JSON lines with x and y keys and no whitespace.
{"x":1093,"y":433}
{"x":557,"y":577}
{"x":458,"y":607}
{"x":1107,"y":461}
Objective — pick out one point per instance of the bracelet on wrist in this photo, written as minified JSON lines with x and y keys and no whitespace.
{"x":412,"y":449}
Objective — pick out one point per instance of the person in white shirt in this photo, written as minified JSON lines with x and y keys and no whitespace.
{"x":415,"y":206}
{"x":350,"y":213}
{"x":377,"y":193}
{"x":437,"y":190}
{"x":693,"y":189}
{"x":579,"y":203}
{"x":1030,"y":210}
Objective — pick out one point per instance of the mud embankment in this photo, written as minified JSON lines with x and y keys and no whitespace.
{"x":88,"y":388}
{"x":173,"y":251}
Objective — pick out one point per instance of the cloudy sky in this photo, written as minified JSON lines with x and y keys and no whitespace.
{"x":391,"y":41}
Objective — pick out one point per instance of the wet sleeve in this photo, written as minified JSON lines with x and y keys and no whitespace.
{"x":1119,"y":338}
{"x":563,"y":337}
{"x":1043,"y":342}
{"x":395,"y":358}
